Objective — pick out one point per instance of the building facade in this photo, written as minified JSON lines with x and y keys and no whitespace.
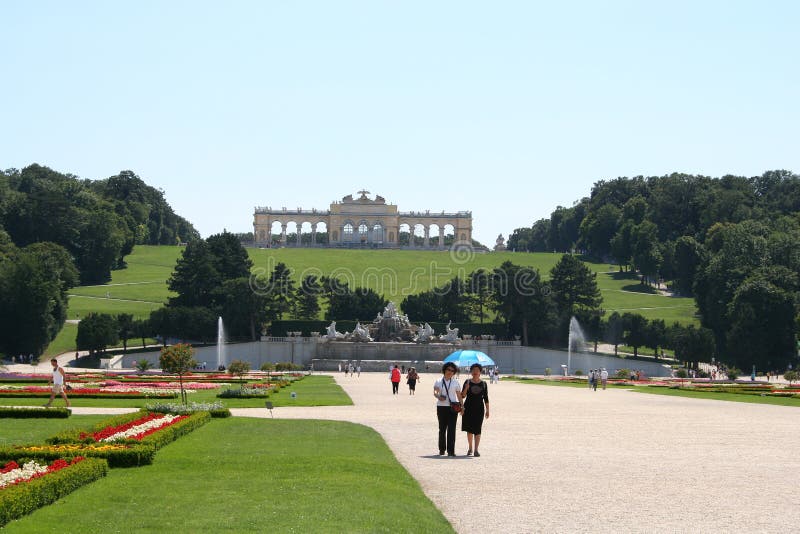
{"x":362,"y":221}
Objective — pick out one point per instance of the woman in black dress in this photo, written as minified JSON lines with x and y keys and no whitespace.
{"x":476,"y":395}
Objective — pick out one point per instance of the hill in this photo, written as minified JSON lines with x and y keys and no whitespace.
{"x":394,"y":273}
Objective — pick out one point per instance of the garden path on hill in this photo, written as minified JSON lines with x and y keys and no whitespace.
{"x":561,"y":459}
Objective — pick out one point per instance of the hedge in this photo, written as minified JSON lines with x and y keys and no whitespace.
{"x":34,"y":413}
{"x":130,"y":456}
{"x":21,"y":499}
{"x":169,"y":434}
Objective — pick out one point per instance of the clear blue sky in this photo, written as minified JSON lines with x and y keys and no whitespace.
{"x":508,"y":109}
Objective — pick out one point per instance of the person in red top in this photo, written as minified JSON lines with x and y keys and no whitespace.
{"x":395,"y":380}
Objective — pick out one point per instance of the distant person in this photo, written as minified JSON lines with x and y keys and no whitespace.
{"x":59,"y":383}
{"x":475,"y":393}
{"x":340,"y":367}
{"x":358,"y":369}
{"x":411,"y":379}
{"x":604,"y":377}
{"x":395,"y":378}
{"x":446,"y":391}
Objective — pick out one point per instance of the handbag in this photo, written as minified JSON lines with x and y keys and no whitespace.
{"x":454,"y":405}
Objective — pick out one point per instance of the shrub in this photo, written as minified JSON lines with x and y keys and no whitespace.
{"x":681,"y":373}
{"x":34,"y":413}
{"x":269,"y":366}
{"x":623,"y":373}
{"x":548,"y":371}
{"x":183,"y":409}
{"x":142,"y":365}
{"x":169,"y":434}
{"x":22,"y":499}
{"x":791,"y":376}
{"x":287,"y":366}
{"x":733,"y":373}
{"x":578,"y":372}
{"x":239,"y":368}
{"x":245,"y":393}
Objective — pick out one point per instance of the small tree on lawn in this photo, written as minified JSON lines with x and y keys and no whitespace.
{"x":178,"y":359}
{"x":791,"y":376}
{"x":239,"y":368}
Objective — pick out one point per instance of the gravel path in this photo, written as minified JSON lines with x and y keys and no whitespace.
{"x":560,"y":459}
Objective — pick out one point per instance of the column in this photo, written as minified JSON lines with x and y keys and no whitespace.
{"x":313,"y":234}
{"x":283,"y":234}
{"x":427,"y":242}
{"x":441,"y":237}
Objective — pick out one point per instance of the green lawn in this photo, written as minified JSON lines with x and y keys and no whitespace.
{"x":692,"y":394}
{"x":30,"y":431}
{"x":253,"y":475}
{"x":314,"y":390}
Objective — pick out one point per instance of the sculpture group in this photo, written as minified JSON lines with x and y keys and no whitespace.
{"x":392,"y":326}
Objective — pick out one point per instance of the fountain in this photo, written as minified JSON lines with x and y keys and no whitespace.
{"x":576,"y":339}
{"x":220,"y":345}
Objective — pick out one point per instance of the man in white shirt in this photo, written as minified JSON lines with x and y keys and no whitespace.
{"x":604,"y":377}
{"x":59,"y":381}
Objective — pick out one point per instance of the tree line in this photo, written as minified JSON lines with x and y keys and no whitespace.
{"x":98,"y":222}
{"x":731,"y":243}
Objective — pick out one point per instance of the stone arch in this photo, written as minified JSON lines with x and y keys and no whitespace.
{"x":378,"y":232}
{"x":404,"y":235}
{"x":348,"y":231}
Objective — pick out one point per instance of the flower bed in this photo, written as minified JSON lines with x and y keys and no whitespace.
{"x":37,"y":485}
{"x":85,"y":393}
{"x":117,"y":455}
{"x":137,"y":429}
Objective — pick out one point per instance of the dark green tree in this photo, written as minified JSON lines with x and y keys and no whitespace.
{"x":125,"y":329}
{"x":96,"y":332}
{"x":635,"y":331}
{"x":307,"y":298}
{"x":574,"y":287}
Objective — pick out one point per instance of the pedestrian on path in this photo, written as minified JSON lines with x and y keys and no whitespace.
{"x":446,"y":391}
{"x":604,"y":377}
{"x":411,"y":380}
{"x":395,"y":378}
{"x":476,"y":396}
{"x":59,"y":383}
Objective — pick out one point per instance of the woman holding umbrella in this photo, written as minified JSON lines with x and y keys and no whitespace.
{"x":476,"y":395}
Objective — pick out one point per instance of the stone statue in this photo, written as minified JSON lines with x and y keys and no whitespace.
{"x":360,"y":334}
{"x":332,"y":334}
{"x":451,"y":334}
{"x":500,"y":243}
{"x":424,"y":334}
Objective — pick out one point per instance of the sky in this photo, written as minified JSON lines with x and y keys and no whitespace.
{"x":506,"y":109}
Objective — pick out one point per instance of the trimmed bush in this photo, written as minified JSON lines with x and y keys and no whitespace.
{"x":21,"y":499}
{"x":248,"y":393}
{"x":220,"y":413}
{"x":35,"y":413}
{"x":74,"y":435}
{"x":129,"y":456}
{"x":167,"y":435}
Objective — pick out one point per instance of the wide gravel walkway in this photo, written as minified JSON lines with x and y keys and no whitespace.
{"x":560,"y":459}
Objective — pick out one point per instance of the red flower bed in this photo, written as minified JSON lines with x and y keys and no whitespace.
{"x":111,"y":430}
{"x":57,"y":465}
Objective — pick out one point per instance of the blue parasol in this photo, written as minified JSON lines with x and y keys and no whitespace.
{"x":465,"y":358}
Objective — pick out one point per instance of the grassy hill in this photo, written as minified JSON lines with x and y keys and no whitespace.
{"x":142,"y":287}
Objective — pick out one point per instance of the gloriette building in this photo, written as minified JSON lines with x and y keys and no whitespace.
{"x":361,"y":221}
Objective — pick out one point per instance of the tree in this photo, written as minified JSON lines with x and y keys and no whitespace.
{"x":142,"y":329}
{"x":656,"y":335}
{"x":689,"y":257}
{"x":239,"y":368}
{"x":645,"y":250}
{"x":307,"y":298}
{"x":635,"y":331}
{"x":479,"y":292}
{"x":142,"y":365}
{"x":592,"y":323}
{"x":195,"y":277}
{"x":523,"y":301}
{"x":762,"y":330}
{"x":33,"y":295}
{"x":614,"y":330}
{"x":599,"y":228}
{"x":125,"y":329}
{"x":179,"y":360}
{"x":279,"y":291}
{"x":243,"y":308}
{"x":574,"y":287}
{"x":691,"y":345}
{"x":97,"y":331}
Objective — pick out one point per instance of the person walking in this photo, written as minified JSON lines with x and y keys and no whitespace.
{"x":476,"y":397}
{"x":604,"y":377}
{"x":358,"y":369}
{"x":446,"y":391}
{"x":59,"y":383}
{"x":395,"y":378}
{"x":411,"y":380}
